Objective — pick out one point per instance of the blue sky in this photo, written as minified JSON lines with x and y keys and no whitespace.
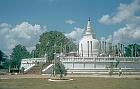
{"x":23,"y":21}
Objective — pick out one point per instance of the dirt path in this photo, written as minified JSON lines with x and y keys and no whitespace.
{"x":23,"y":76}
{"x":69,"y":75}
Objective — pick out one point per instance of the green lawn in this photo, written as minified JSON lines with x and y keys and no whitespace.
{"x":77,"y":83}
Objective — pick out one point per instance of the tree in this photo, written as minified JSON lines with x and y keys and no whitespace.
{"x":1,"y":57}
{"x":60,"y":69}
{"x":132,"y":50}
{"x":47,"y":42}
{"x":3,"y":60}
{"x":18,"y":53}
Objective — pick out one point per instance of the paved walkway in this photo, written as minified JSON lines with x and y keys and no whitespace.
{"x":69,"y":75}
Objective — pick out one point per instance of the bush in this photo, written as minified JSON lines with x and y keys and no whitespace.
{"x":60,"y":69}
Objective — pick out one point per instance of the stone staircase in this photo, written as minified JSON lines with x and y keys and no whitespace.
{"x":37,"y":69}
{"x":45,"y":65}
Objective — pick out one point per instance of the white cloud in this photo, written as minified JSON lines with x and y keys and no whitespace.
{"x":3,"y":32}
{"x":24,"y":33}
{"x":130,"y":33}
{"x":127,"y":35}
{"x":125,"y":13}
{"x":105,"y":19}
{"x":76,"y":34}
{"x":45,"y":27}
{"x":110,"y":39}
{"x":5,"y":25}
{"x":69,"y":22}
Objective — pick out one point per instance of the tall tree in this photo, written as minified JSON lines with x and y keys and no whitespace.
{"x":52,"y":41}
{"x":132,"y":50}
{"x":18,"y":53}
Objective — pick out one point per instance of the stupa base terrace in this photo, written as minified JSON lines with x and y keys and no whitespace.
{"x":88,"y":65}
{"x":101,"y":65}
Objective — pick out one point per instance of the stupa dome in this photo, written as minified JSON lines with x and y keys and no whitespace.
{"x":89,"y":45}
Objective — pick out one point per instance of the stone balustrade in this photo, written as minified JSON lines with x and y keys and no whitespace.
{"x":100,"y":59}
{"x":30,"y":62}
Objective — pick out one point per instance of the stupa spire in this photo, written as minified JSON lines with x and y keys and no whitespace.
{"x":89,"y":30}
{"x":89,"y":19}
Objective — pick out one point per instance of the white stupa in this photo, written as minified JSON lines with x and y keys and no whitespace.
{"x":88,"y":60}
{"x":89,"y":45}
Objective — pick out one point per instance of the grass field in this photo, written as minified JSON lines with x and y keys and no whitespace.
{"x":77,"y":83}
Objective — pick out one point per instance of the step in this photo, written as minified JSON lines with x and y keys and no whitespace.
{"x":37,"y":69}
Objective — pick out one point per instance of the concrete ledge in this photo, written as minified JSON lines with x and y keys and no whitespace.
{"x":60,"y":80}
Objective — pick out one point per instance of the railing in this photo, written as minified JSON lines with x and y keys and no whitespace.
{"x":31,"y":60}
{"x":105,"y":71}
{"x":100,"y":59}
{"x":26,"y":70}
{"x":48,"y":69}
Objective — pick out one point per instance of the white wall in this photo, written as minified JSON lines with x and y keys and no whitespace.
{"x":99,"y":62}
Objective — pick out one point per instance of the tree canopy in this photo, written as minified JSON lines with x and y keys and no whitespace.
{"x":52,"y":41}
{"x":60,"y":69}
{"x":19,"y":52}
{"x":132,"y":50}
{"x":3,"y":58}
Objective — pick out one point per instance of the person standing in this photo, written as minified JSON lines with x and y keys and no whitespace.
{"x":109,"y":72}
{"x":120,"y":71}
